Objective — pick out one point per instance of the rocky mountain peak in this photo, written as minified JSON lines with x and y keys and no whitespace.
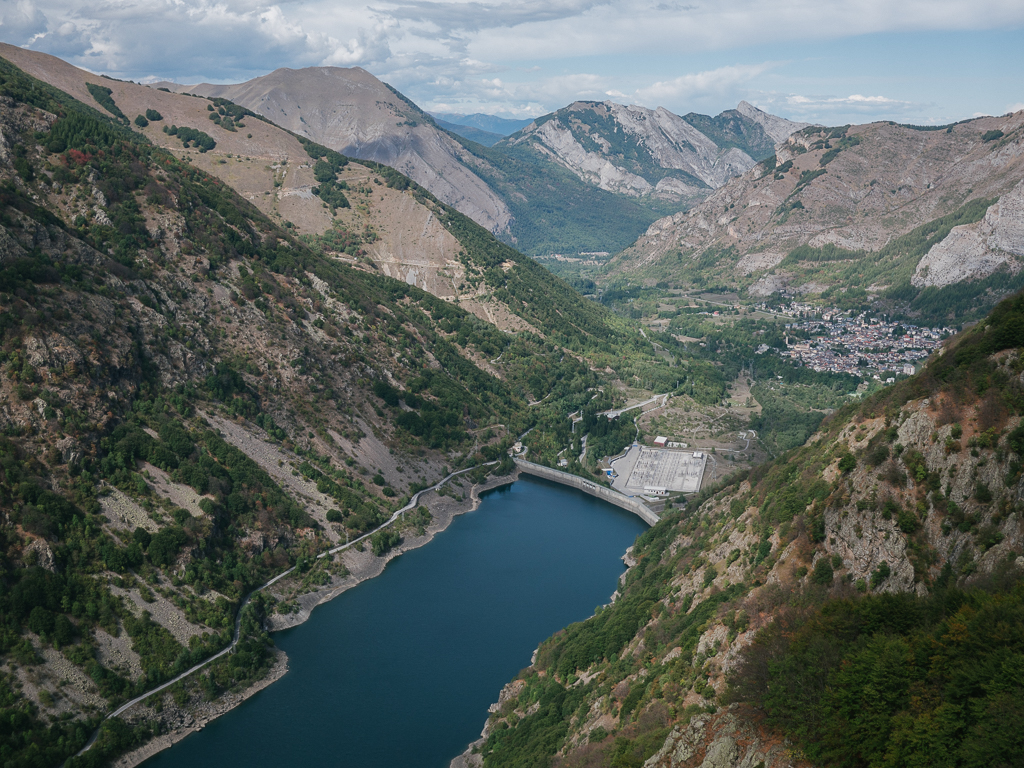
{"x":911,"y":201}
{"x":779,"y":128}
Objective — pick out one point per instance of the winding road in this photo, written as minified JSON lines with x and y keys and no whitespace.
{"x":238,"y":617}
{"x":614,"y":414}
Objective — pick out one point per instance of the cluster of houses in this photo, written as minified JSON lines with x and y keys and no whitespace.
{"x":845,"y":343}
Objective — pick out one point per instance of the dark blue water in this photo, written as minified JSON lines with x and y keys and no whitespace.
{"x":400,"y":670}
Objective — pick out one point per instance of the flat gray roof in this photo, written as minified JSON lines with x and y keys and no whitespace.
{"x":643,"y":467}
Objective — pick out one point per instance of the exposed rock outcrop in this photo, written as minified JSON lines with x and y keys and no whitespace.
{"x":725,"y":740}
{"x":638,"y":151}
{"x":974,"y":251}
{"x":858,"y":189}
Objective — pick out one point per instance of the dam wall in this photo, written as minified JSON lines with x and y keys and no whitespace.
{"x":629,"y":503}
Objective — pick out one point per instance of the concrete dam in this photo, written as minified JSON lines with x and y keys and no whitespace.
{"x":629,"y":503}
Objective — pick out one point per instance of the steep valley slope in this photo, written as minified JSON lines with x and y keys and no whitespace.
{"x":857,"y":602}
{"x":194,"y":398}
{"x":374,"y":223}
{"x":900,"y":218}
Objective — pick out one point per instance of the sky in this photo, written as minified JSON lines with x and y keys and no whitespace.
{"x":822,"y":61}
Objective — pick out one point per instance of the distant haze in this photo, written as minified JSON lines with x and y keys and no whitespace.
{"x":490,"y":123}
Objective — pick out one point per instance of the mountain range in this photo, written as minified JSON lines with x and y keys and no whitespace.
{"x":925,"y":221}
{"x":533,"y":189}
{"x":639,"y":152}
{"x":228,"y":348}
{"x":500,"y":126}
{"x":483,"y":129}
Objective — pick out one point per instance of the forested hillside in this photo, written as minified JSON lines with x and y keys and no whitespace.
{"x":143,"y":302}
{"x":195,"y":398}
{"x":860,"y":597}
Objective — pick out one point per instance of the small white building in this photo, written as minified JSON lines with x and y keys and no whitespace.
{"x":655,"y":490}
{"x":660,"y":441}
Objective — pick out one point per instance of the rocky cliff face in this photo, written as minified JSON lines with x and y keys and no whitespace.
{"x":727,"y":740}
{"x":917,"y":488}
{"x":638,"y":151}
{"x":974,"y":251}
{"x":857,"y":189}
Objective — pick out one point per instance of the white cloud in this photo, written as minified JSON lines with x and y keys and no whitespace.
{"x":513,"y":99}
{"x":836,"y":110}
{"x":451,"y":51}
{"x":692,"y":86}
{"x":21,"y":20}
{"x":201,"y":39}
{"x":856,"y":101}
{"x":641,"y":27}
{"x":449,"y":18}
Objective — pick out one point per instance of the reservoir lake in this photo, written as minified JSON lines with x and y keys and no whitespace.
{"x":400,"y":670}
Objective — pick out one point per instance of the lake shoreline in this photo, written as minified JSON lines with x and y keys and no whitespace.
{"x":200,"y":715}
{"x":365,"y":565}
{"x":362,"y":566}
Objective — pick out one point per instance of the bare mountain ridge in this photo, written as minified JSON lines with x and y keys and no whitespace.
{"x":777,"y":128}
{"x":677,"y":164}
{"x":638,"y":151}
{"x":353,"y":112}
{"x":857,"y":189}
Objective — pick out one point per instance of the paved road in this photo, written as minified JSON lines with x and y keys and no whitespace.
{"x":238,"y":617}
{"x":615,"y":414}
{"x":742,"y":436}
